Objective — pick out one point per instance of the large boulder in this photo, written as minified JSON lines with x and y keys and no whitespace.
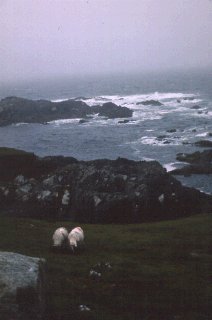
{"x":22,"y":287}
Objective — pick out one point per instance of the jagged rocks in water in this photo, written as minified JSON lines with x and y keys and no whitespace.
{"x":111,"y":110}
{"x":204,"y":143}
{"x":199,"y":163}
{"x":124,"y":121}
{"x":196,"y":107}
{"x":22,"y":287}
{"x":150,"y":103}
{"x":15,"y":110}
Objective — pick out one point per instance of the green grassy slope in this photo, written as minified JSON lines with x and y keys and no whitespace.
{"x":159,"y":271}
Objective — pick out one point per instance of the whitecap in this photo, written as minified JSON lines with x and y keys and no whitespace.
{"x":166,"y":141}
{"x":147,"y":159}
{"x":59,"y":100}
{"x":204,"y":134}
{"x":172,"y":166}
{"x":20,"y":124}
{"x":64,"y":121}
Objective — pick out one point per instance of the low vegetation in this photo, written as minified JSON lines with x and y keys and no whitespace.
{"x":158,"y":271}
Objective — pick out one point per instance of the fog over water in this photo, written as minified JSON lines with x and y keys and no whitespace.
{"x":45,"y":39}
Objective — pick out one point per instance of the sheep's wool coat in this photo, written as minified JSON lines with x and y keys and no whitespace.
{"x":59,"y":236}
{"x":76,"y":236}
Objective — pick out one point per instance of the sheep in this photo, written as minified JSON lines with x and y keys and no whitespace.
{"x":75,"y":237}
{"x":60,"y":238}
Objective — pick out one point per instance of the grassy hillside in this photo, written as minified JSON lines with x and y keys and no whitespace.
{"x":159,"y":271}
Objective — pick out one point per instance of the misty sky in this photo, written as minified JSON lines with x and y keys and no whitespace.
{"x":50,"y":38}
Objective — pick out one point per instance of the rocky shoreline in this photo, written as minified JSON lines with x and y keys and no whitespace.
{"x":198,"y":163}
{"x":99,"y":191}
{"x":17,"y":110}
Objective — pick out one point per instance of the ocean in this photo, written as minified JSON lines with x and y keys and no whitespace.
{"x":153,"y":133}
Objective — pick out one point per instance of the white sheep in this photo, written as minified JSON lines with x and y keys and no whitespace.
{"x":60,"y":237}
{"x":75,"y":237}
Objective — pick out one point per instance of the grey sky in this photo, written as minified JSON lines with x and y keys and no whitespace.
{"x":41,"y":38}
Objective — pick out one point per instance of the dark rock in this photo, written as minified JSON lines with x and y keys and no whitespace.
{"x":15,"y":110}
{"x":204,"y":143}
{"x":189,"y":98}
{"x":171,"y":130}
{"x":200,"y":163}
{"x":124,"y":121}
{"x":17,"y":162}
{"x":22,"y":287}
{"x":81,"y":121}
{"x":40,"y":111}
{"x":161,"y":137}
{"x":195,"y":107}
{"x":150,"y":103}
{"x":111,"y":110}
{"x":102,"y":191}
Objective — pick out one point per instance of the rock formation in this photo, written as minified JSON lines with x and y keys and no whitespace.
{"x":199,"y":163}
{"x":22,"y":287}
{"x":16,"y":110}
{"x":150,"y":103}
{"x":99,"y":191}
{"x":204,"y":143}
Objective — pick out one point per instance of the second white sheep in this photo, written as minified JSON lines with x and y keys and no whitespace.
{"x":75,"y":238}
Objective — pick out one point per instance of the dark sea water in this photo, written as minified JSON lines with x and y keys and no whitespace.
{"x":154,"y":132}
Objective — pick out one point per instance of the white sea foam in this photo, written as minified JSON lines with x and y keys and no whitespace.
{"x":59,"y":100}
{"x":147,"y":159}
{"x":64,"y":121}
{"x":204,"y":134}
{"x":173,"y":166}
{"x":170,"y":166}
{"x":20,"y":124}
{"x":133,"y":99}
{"x":160,"y":142}
{"x":171,"y":102}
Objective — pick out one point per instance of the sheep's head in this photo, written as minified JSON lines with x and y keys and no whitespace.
{"x":72,"y":245}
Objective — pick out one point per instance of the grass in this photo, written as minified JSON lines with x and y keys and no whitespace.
{"x":159,"y":270}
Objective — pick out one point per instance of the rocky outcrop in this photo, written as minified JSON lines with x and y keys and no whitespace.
{"x":17,"y":162}
{"x":204,"y":143}
{"x":189,"y":98}
{"x":150,"y":103}
{"x":199,"y":163}
{"x":16,"y":110}
{"x":102,"y":191}
{"x":111,"y":111}
{"x":22,"y":287}
{"x":196,"y":107}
